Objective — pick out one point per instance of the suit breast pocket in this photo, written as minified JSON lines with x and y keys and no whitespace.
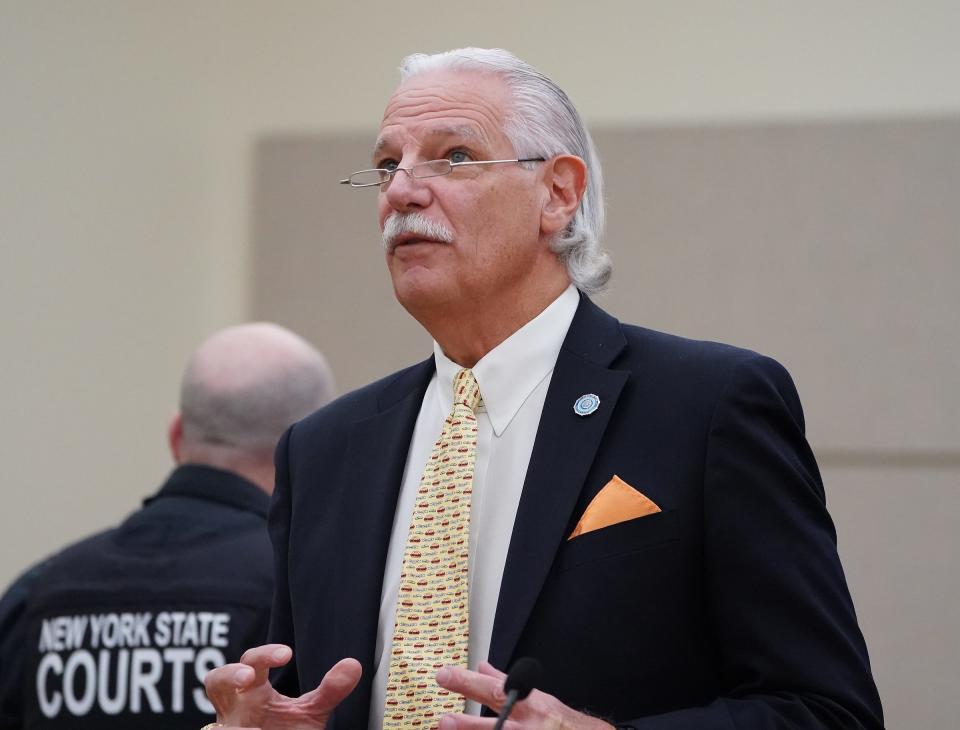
{"x":620,"y":540}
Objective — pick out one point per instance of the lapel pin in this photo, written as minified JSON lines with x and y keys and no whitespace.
{"x":586,"y":404}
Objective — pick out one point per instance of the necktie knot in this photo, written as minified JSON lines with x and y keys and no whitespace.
{"x":466,"y":390}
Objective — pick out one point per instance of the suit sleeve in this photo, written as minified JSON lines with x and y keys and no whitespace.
{"x":285,"y":679}
{"x":790,"y":651}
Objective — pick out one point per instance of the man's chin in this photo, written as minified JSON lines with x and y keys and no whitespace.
{"x":418,"y":289}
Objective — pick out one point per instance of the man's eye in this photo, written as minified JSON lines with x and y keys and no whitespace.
{"x":458,"y":156}
{"x":387,"y":165}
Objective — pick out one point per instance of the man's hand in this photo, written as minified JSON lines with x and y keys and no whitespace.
{"x":539,"y":710}
{"x":244,"y":698}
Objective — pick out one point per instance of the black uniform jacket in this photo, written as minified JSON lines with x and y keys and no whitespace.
{"x":728,"y":609}
{"x":118,"y":630}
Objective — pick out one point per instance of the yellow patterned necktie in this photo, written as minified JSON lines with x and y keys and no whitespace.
{"x":432,"y":620}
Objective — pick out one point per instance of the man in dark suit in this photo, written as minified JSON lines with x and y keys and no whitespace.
{"x":647,"y":519}
{"x":118,"y":629}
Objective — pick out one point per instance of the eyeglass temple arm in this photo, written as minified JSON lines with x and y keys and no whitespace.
{"x":346,"y":181}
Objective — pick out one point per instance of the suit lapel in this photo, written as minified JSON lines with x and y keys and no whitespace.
{"x":563,"y":452}
{"x":375,"y":458}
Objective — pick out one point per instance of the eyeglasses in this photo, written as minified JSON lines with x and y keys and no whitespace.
{"x":433,"y":168}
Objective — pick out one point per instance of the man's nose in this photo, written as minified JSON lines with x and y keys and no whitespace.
{"x":405,"y":192}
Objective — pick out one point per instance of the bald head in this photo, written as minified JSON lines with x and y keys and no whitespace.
{"x":242,"y":388}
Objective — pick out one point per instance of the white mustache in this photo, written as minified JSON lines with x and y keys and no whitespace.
{"x":417,"y":224}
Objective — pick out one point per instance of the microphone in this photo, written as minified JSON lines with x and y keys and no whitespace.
{"x":523,"y":675}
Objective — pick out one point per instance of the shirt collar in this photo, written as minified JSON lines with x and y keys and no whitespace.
{"x":508,"y":374}
{"x":216,"y":485}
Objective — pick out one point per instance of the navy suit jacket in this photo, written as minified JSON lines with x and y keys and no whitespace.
{"x":728,"y":609}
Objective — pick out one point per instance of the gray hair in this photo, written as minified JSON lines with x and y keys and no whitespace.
{"x":245,"y":385}
{"x":542,"y":122}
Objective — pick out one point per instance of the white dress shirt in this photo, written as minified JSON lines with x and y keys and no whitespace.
{"x":513,"y":379}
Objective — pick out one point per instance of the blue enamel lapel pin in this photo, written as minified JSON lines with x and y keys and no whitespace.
{"x":586,"y":404}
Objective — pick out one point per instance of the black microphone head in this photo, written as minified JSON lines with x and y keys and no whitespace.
{"x":523,"y":676}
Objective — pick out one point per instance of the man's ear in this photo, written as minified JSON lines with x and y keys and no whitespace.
{"x":175,"y":437}
{"x":566,"y":180}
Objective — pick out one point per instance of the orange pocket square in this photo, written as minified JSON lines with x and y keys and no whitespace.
{"x":616,"y":502}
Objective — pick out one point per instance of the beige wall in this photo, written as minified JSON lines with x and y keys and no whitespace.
{"x":128,"y":137}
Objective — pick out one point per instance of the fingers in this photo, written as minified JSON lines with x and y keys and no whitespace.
{"x":225,"y":683}
{"x":489,"y":670}
{"x":226,"y":680}
{"x":539,"y":710}
{"x":475,"y":686}
{"x":274,"y":655}
{"x":471,"y":722}
{"x":336,"y":685}
{"x":263,"y":659}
